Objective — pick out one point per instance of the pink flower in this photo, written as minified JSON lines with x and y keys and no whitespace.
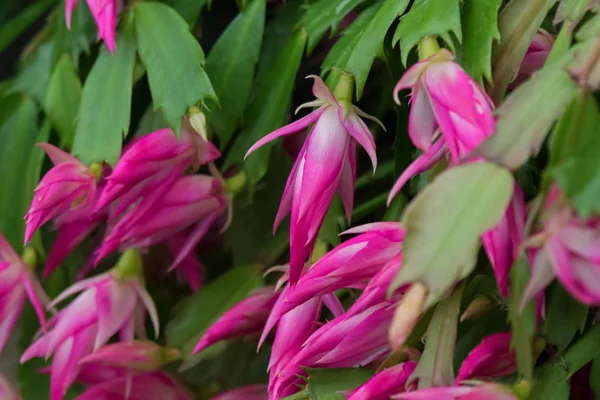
{"x":7,"y":391}
{"x":326,"y":165}
{"x":105,"y":16}
{"x":153,"y":157}
{"x":567,"y":248}
{"x":191,"y":201}
{"x":249,"y":392}
{"x":190,"y":269}
{"x":349,"y":264}
{"x":487,"y":391}
{"x":446,"y":99}
{"x":385,"y":383}
{"x":110,"y":303}
{"x":140,"y":355}
{"x":17,"y":283}
{"x":491,"y":358}
{"x":148,"y":386}
{"x":245,"y":318}
{"x":536,"y":56}
{"x":67,"y":186}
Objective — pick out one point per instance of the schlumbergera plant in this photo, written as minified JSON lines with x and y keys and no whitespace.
{"x":301,"y":199}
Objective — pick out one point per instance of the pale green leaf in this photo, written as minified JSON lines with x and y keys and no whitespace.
{"x":173,"y":60}
{"x":34,"y":78}
{"x":363,"y":40}
{"x":480,"y":29}
{"x":584,"y":350}
{"x":428,"y":18}
{"x":325,"y":384}
{"x":518,"y":22}
{"x":62,"y":99}
{"x":444,"y":222}
{"x":231,"y":64}
{"x":103,"y":117}
{"x":551,"y":383}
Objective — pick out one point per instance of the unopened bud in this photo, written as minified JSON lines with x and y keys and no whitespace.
{"x":198,"y":122}
{"x":141,"y":355}
{"x":479,"y":306}
{"x":407,"y":314}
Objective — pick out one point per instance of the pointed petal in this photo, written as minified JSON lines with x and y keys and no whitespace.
{"x":193,"y":239}
{"x":32,"y":294}
{"x":421,"y":121}
{"x":410,"y":78}
{"x":359,"y":131}
{"x":58,"y":156}
{"x":114,"y":304}
{"x":321,"y":91}
{"x":333,"y":303}
{"x":77,"y":287}
{"x":347,"y":181}
{"x":149,"y":304}
{"x":363,"y":114}
{"x":542,"y":274}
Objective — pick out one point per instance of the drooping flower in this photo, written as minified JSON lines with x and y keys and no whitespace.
{"x":140,"y":355}
{"x":67,"y":186}
{"x":7,"y":391}
{"x":351,"y":263}
{"x":487,"y":391}
{"x":451,"y":115}
{"x":385,"y":383}
{"x":17,"y":284}
{"x":245,"y":318}
{"x":248,"y":392}
{"x":110,"y":303}
{"x":491,"y":358}
{"x":567,"y":248}
{"x":326,"y":165}
{"x":536,"y":55}
{"x":105,"y":16}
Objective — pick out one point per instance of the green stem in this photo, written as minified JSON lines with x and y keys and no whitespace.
{"x":29,"y":257}
{"x":129,"y":265}
{"x":428,"y":46}
{"x":344,"y":90}
{"x":236,"y":183}
{"x":96,"y":169}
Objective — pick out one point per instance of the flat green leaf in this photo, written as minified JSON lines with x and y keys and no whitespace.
{"x":62,"y":99}
{"x":522,"y":322}
{"x":325,"y":384}
{"x":595,"y":375}
{"x":521,"y":128}
{"x":189,"y":9}
{"x":11,"y":29}
{"x":428,"y":18}
{"x":444,"y":222}
{"x":231,"y":64}
{"x":18,"y":132}
{"x":267,"y":108}
{"x":435,"y":366}
{"x":573,"y":154}
{"x":197,"y":312}
{"x":323,"y":15}
{"x":173,"y":60}
{"x":551,"y":383}
{"x":34,"y":78}
{"x":480,"y":29}
{"x":363,"y":41}
{"x":518,"y":22}
{"x":564,"y":317}
{"x":584,"y":350}
{"x":103,"y":117}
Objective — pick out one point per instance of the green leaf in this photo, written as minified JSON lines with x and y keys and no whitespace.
{"x":325,"y":384}
{"x":196,"y":313}
{"x":18,"y":132}
{"x":551,"y":383}
{"x":518,"y":22}
{"x":189,"y":9}
{"x":428,"y":18}
{"x":13,"y":28}
{"x":62,"y":99}
{"x":35,"y":76}
{"x":480,"y":29}
{"x":572,"y":11}
{"x":435,"y":366}
{"x":267,"y":108}
{"x":595,"y":375}
{"x":522,"y":321}
{"x":444,"y":222}
{"x":103,"y":117}
{"x":231,"y":64}
{"x":363,"y":41}
{"x":582,"y":351}
{"x":573,"y":154}
{"x":564,"y":317}
{"x":521,"y":128}
{"x":173,"y":60}
{"x":151,"y":120}
{"x":323,"y":15}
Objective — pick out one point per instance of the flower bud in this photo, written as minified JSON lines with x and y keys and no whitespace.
{"x":407,"y":314}
{"x":198,"y":122}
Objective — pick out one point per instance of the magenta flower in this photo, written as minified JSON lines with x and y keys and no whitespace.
{"x":148,"y":386}
{"x":536,"y":56}
{"x":154,"y":157}
{"x":67,"y":186}
{"x":105,"y":16}
{"x":249,"y":392}
{"x":492,"y":358}
{"x":140,"y":355}
{"x":385,"y":383}
{"x":487,"y":391}
{"x":191,"y":201}
{"x":351,"y":263}
{"x":326,"y":165}
{"x":110,"y":303}
{"x":451,"y":115}
{"x":190,"y":269}
{"x":567,"y":248}
{"x":17,"y":283}
{"x":7,"y":391}
{"x":248,"y":317}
